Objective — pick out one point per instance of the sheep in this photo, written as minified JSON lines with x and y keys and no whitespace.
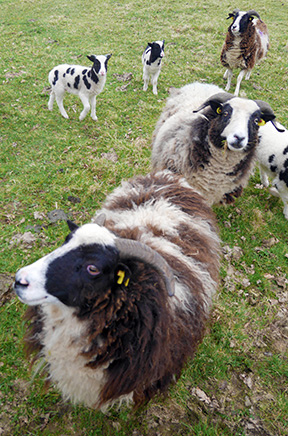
{"x":272,"y":156}
{"x":246,"y":43}
{"x":209,"y":137}
{"x":151,"y":60}
{"x":85,"y":82}
{"x":120,"y":307}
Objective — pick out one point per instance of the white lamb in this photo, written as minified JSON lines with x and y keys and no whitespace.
{"x":85,"y":82}
{"x":272,"y":155}
{"x":151,"y":60}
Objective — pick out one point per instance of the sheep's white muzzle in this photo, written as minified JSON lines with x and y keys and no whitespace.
{"x":30,"y":289}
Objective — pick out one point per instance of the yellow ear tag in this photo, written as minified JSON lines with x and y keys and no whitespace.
{"x":121,"y":275}
{"x":261,"y":122}
{"x":219,"y":110}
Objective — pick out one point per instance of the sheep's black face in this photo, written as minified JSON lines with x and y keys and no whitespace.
{"x":240,"y":23}
{"x":74,"y":273}
{"x":80,"y":275}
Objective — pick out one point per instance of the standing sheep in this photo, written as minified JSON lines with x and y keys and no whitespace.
{"x":246,"y":43}
{"x":151,"y":60}
{"x":272,"y":155}
{"x":85,"y":82}
{"x":209,"y":137}
{"x":120,"y":307}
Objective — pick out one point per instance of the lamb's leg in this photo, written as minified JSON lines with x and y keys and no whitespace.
{"x":228,"y":75}
{"x":59,"y":101}
{"x":146,"y":79}
{"x":239,"y":80}
{"x":93,"y":107}
{"x":86,"y":105}
{"x":51,"y":101}
{"x":154,"y":81}
{"x":263,"y":176}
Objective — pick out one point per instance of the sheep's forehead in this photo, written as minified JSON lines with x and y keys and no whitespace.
{"x":92,"y":233}
{"x":101,"y":58}
{"x":240,"y":104}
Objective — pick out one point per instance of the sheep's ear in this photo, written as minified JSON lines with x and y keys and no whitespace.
{"x":72,"y":226}
{"x":150,"y":44}
{"x":108,"y":56}
{"x":91,"y":58}
{"x":266,"y":111}
{"x":123,"y":275}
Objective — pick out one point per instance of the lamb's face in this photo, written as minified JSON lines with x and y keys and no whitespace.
{"x":100,"y":64}
{"x":237,"y":123}
{"x":83,"y":265}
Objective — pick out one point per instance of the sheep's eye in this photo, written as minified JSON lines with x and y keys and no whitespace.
{"x":93,"y":270}
{"x":225,"y":114}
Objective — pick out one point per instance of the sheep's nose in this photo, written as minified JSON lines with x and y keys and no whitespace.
{"x":20,"y":282}
{"x":238,"y":141}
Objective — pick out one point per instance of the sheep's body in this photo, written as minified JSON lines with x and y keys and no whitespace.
{"x":246,"y":43}
{"x":215,"y":156}
{"x":151,"y":60}
{"x":272,"y":155}
{"x":85,"y":82}
{"x":125,"y":341}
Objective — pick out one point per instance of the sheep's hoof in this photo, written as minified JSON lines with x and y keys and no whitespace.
{"x":94,"y":117}
{"x":65,"y":116}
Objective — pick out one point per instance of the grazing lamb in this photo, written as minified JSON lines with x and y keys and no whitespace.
{"x":85,"y":82}
{"x":246,"y":43}
{"x":209,"y":137}
{"x":121,"y":306}
{"x":151,"y":60}
{"x":272,"y":156}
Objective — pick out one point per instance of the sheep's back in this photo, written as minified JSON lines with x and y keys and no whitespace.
{"x":164,"y":212}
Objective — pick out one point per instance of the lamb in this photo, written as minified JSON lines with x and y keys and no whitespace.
{"x":209,"y":137}
{"x":272,"y":156}
{"x":246,"y":43}
{"x":121,"y":306}
{"x":151,"y":60}
{"x":85,"y":82}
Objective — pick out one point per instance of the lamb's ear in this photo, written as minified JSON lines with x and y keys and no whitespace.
{"x":72,"y":226}
{"x":91,"y":58}
{"x":150,"y":44}
{"x":108,"y":56}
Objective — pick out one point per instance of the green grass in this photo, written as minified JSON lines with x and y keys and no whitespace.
{"x":242,"y":363}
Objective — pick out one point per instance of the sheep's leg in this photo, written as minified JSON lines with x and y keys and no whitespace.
{"x":239,"y":80}
{"x":248,"y":74}
{"x":51,"y":101}
{"x":59,"y":101}
{"x":228,"y":75}
{"x":154,"y":81}
{"x":86,"y":104}
{"x":280,"y":190}
{"x":146,"y":79}
{"x":93,"y":107}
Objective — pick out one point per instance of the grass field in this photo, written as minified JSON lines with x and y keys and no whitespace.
{"x":238,"y":382}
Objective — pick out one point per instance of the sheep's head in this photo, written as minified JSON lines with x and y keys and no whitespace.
{"x":90,"y":261}
{"x":235,"y":121}
{"x":241,"y":20}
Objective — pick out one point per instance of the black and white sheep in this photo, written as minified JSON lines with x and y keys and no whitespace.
{"x":85,"y":82}
{"x":209,"y":137}
{"x":151,"y":60}
{"x":246,"y":43}
{"x":121,"y":306}
{"x":272,"y":156}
